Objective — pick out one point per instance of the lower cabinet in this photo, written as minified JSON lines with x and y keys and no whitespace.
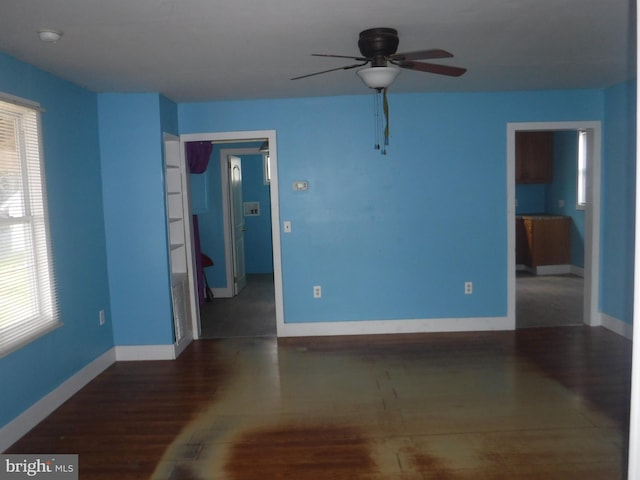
{"x":543,"y":240}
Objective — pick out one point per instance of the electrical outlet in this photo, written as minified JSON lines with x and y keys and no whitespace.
{"x":101,"y":317}
{"x":317,"y":291}
{"x":468,"y":288}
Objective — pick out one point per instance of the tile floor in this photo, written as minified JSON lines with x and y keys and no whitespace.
{"x":298,"y":410}
{"x":548,"y":300}
{"x":252,"y":313}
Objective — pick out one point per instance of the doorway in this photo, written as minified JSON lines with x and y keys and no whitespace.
{"x":589,"y":287}
{"x":222,"y":203}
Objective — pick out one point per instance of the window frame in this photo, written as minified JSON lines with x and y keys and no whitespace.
{"x":581,"y":169}
{"x":39,"y":313}
{"x":266,"y":168}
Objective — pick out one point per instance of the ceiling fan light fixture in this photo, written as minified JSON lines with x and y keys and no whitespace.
{"x":49,"y":35}
{"x":378,"y":77}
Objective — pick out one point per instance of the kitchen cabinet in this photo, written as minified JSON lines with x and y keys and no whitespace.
{"x":523,"y":256}
{"x":534,"y":157}
{"x":543,"y":240}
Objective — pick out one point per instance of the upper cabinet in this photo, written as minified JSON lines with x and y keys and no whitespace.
{"x":534,"y":157}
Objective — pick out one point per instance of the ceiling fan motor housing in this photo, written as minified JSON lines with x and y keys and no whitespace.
{"x":377,"y":44}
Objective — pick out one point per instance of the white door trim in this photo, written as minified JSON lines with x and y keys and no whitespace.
{"x":592,"y":214}
{"x":245,"y":136}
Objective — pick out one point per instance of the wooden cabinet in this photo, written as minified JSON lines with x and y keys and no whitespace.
{"x":523,"y":255}
{"x":543,"y":240}
{"x":534,"y":157}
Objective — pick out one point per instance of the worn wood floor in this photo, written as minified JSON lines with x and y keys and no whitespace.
{"x":547,"y":403}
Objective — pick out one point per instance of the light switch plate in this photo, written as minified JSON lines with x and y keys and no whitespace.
{"x":286,"y":226}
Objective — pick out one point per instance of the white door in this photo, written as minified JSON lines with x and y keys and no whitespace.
{"x":237,"y":220}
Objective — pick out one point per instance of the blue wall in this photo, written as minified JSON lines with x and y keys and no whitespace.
{"x":206,"y":201}
{"x":618,"y":202}
{"x":258,"y":244}
{"x":74,"y":193}
{"x":135,"y":216}
{"x":531,"y":198}
{"x":388,"y":237}
{"x":395,"y":236}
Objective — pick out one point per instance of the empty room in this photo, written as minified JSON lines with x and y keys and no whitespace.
{"x":312,"y":240}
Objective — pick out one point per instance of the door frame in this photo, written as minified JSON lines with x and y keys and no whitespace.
{"x":591,"y":314}
{"x":247,"y":136}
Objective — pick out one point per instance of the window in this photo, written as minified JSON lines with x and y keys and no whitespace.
{"x":28,"y":306}
{"x":266,"y":164}
{"x":581,"y":200}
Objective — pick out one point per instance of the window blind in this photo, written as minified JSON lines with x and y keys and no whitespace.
{"x":28,"y":306}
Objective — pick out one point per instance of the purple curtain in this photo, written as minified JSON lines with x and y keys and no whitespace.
{"x":198,"y":254}
{"x":198,"y":154}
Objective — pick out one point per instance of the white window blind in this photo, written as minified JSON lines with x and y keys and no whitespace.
{"x":581,"y":190}
{"x":28,"y":306}
{"x":266,"y":168}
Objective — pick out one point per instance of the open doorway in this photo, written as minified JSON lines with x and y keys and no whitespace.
{"x":229,"y":223}
{"x":569,"y":288}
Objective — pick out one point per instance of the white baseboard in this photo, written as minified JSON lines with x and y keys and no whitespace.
{"x":429,"y":325}
{"x":223,"y":292}
{"x":552,"y":270}
{"x":577,"y":271}
{"x":28,"y":419}
{"x":617,"y":326}
{"x":126,"y":353}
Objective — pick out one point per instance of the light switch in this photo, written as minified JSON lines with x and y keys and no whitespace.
{"x":286,"y":225}
{"x":300,"y":185}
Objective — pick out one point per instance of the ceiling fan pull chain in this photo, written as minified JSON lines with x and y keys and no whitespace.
{"x":376,"y":122}
{"x":386,"y":120}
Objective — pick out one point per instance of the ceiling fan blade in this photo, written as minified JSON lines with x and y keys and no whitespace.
{"x":360,"y":59}
{"x":432,"y":68}
{"x":421,"y":55}
{"x":331,"y":70}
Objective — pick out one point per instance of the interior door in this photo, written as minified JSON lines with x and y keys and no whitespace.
{"x":237,"y":220}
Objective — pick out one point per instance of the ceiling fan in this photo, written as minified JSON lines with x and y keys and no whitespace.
{"x":378,"y":47}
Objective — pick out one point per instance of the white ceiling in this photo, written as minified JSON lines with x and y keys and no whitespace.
{"x":197,"y":50}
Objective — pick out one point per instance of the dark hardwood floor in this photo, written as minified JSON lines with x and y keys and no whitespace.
{"x":369,"y":407}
